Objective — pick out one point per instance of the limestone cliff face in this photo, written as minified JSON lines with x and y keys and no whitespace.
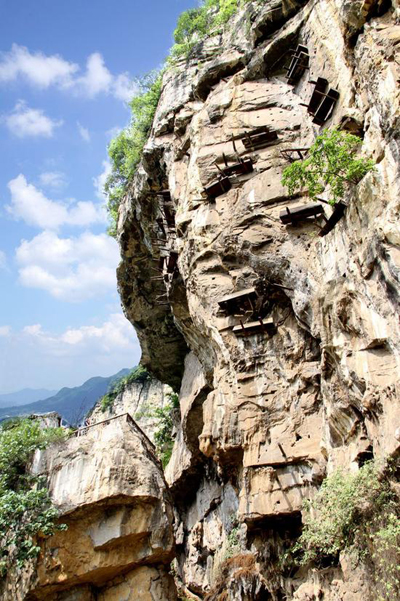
{"x":139,"y":400}
{"x":110,"y":491}
{"x":265,"y":417}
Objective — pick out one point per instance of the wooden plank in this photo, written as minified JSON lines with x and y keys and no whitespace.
{"x":287,"y":154}
{"x":172,"y":262}
{"x":169,"y":213}
{"x":259,"y":139}
{"x":233,"y":303}
{"x":240,"y":168}
{"x":298,"y":65}
{"x":321,"y":85}
{"x":236,"y":295}
{"x":165,"y":194}
{"x":263,"y":325}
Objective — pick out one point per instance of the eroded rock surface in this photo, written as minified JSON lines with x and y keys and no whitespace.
{"x":265,"y":417}
{"x":109,"y":489}
{"x":139,"y":400}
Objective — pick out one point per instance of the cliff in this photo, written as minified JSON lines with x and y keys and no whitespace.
{"x":265,"y":417}
{"x":283,"y":344}
{"x":109,"y":489}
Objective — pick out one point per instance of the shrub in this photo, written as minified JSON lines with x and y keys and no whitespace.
{"x":331,"y":164}
{"x":25,"y":506}
{"x":196,"y":24}
{"x":126,"y":149}
{"x":358,"y":513}
{"x":163,"y":435}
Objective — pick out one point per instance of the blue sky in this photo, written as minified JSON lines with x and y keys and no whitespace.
{"x":67,"y":70}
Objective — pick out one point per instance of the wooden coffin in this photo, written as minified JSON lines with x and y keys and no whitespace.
{"x":336,"y":216}
{"x":300,"y":213}
{"x":218,"y":187}
{"x":260,"y":139}
{"x":320,"y":88}
{"x":264,"y":326}
{"x":298,"y":64}
{"x":240,"y":168}
{"x":326,"y":107}
{"x":234,"y":303}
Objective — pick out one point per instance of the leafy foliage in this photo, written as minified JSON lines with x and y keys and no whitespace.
{"x":138,"y":375}
{"x":233,"y":546}
{"x":125,"y":150}
{"x":197,"y":23}
{"x":331,"y":164}
{"x":163,"y":435}
{"x":359,"y":513}
{"x":25,"y":506}
{"x":18,"y":441}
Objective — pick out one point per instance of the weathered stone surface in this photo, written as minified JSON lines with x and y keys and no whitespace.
{"x":264,"y":417}
{"x":279,"y":410}
{"x":110,"y":492}
{"x":139,"y":400}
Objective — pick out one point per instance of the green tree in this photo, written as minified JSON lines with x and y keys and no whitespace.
{"x":26,"y":510}
{"x":126,"y":149}
{"x":331,"y":164}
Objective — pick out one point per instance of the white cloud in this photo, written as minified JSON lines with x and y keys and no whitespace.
{"x":31,"y":205}
{"x":70,"y":269}
{"x":24,"y":121}
{"x":35,"y":330}
{"x":52,"y":179}
{"x":44,"y":71}
{"x":114,"y":334}
{"x":83,"y":132}
{"x":124,"y":88}
{"x":100,"y":180}
{"x":96,"y":79}
{"x":39,"y":69}
{"x":35,"y":357}
{"x":3,"y":260}
{"x":5,"y":331}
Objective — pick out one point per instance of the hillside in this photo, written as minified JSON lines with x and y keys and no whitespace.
{"x":71,"y":403}
{"x":25,"y":396}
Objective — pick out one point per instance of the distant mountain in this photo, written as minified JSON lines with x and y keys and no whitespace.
{"x":71,"y":403}
{"x":25,"y":396}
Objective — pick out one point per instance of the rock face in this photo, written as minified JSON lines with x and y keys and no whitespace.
{"x":266,"y":410}
{"x":139,"y":400}
{"x":111,"y":493}
{"x":265,"y":417}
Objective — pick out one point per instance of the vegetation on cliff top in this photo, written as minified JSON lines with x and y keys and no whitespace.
{"x":126,"y":149}
{"x":138,"y":375}
{"x":196,"y":24}
{"x":331,"y":165}
{"x":25,"y":506}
